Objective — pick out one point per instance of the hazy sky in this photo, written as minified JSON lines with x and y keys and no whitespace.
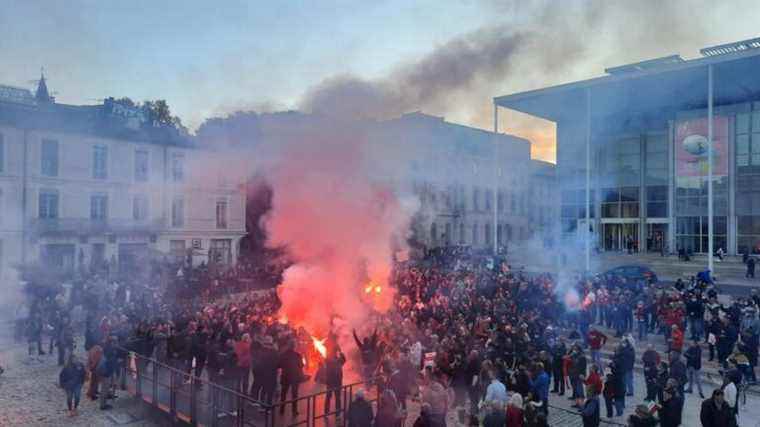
{"x":209,"y":58}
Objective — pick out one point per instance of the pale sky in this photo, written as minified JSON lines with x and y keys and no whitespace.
{"x":210,"y":58}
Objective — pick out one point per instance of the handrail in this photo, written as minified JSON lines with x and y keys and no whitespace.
{"x":219,"y":394}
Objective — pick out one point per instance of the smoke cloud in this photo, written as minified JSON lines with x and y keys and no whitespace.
{"x":428,"y":83}
{"x":338,"y":219}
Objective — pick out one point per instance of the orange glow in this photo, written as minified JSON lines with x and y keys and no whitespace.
{"x":283,"y":319}
{"x":368,"y":289}
{"x":378,"y":289}
{"x":319,"y":345}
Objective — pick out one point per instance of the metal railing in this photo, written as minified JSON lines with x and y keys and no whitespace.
{"x":200,"y":402}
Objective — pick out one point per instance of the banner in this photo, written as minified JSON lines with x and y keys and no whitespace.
{"x":691,"y":147}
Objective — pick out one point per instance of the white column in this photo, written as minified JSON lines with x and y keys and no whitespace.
{"x":710,"y":168}
{"x":588,"y":180}
{"x":496,"y":177}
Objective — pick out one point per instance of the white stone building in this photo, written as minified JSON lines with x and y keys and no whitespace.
{"x":454,"y":170}
{"x":87,"y":184}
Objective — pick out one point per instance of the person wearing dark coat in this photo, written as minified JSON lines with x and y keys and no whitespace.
{"x":359,"y":411}
{"x":71,"y":380}
{"x":334,"y":378}
{"x":715,"y":412}
{"x":678,"y":371}
{"x":264,"y":364}
{"x":672,"y":406}
{"x":618,"y":388}
{"x":558,"y":352}
{"x":496,"y":416}
{"x":590,"y":412}
{"x":291,"y":365}
{"x":693,"y":366}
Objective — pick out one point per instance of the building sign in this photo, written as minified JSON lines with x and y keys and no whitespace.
{"x":197,"y":244}
{"x":691,"y":147}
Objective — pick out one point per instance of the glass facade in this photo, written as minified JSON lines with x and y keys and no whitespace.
{"x":747,"y":134}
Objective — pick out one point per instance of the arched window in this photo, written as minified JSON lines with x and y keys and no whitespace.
{"x":434,"y":234}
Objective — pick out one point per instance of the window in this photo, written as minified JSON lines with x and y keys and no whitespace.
{"x":140,"y":207}
{"x":2,"y":153}
{"x":178,"y":211}
{"x":461,"y":233}
{"x":98,"y":207}
{"x":141,"y":165}
{"x":489,"y":197}
{"x":177,"y":249}
{"x":474,"y":234}
{"x":221,"y":251}
{"x":49,"y":158}
{"x":748,"y":142}
{"x":221,"y":213}
{"x":178,"y":167}
{"x":100,"y":162}
{"x":475,"y":199}
{"x":488,"y":234}
{"x":98,"y":256}
{"x":48,"y":204}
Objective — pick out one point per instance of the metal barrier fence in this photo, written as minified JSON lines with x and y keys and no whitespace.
{"x":201,"y":402}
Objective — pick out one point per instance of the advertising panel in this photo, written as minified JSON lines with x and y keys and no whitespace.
{"x":691,"y":147}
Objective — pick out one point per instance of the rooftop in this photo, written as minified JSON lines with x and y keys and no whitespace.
{"x":663,"y":84}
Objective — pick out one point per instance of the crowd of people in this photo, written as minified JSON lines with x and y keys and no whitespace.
{"x":465,"y":336}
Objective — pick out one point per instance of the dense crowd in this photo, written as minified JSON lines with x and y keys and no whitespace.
{"x":465,"y":335}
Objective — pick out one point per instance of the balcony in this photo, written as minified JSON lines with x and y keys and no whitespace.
{"x":87,"y":227}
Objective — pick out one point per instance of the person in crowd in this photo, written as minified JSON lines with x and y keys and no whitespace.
{"x":496,"y":416}
{"x":642,"y":320}
{"x":672,"y":406}
{"x":642,"y":417}
{"x":694,"y":366}
{"x":105,"y":370}
{"x":618,"y":388}
{"x":264,"y":368}
{"x":730,"y":392}
{"x":424,"y":419}
{"x":559,"y":350}
{"x":71,"y":380}
{"x":515,"y":411}
{"x":596,"y":341}
{"x":715,"y":412}
{"x":334,"y":379}
{"x":590,"y":411}
{"x":389,"y":412}
{"x":369,"y":350}
{"x":609,"y":394}
{"x":359,"y":411}
{"x":93,"y":360}
{"x":750,"y":274}
{"x":675,"y":341}
{"x":678,"y":371}
{"x":695,"y":309}
{"x":437,"y":396}
{"x":496,"y":391}
{"x":577,"y":374}
{"x":242,"y":349}
{"x":291,"y":365}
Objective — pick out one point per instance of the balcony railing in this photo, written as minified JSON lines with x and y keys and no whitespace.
{"x":86,"y":226}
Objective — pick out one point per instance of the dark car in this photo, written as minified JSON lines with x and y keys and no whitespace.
{"x":635,"y":273}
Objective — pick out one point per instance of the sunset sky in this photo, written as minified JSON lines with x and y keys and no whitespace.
{"x":208,"y":59}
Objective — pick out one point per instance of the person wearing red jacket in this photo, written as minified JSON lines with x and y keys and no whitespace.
{"x":676,"y":339}
{"x":593,"y":379}
{"x":596,"y":341}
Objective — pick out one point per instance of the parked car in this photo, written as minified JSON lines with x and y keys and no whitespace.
{"x":634,"y":273}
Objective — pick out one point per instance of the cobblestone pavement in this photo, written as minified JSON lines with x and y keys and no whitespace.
{"x":29,"y":396}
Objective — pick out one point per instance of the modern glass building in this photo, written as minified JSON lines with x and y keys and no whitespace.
{"x":635,"y":144}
